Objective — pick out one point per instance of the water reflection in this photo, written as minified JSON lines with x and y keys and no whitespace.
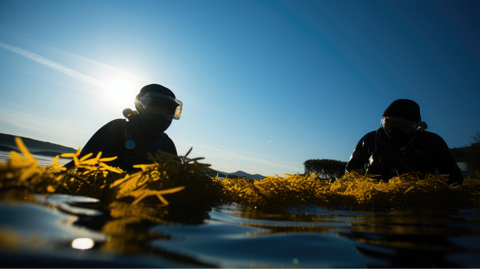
{"x":403,"y":239}
{"x":242,"y":236}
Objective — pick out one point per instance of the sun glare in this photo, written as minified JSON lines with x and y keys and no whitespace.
{"x":121,"y":91}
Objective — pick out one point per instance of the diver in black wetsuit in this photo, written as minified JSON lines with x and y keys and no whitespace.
{"x":143,"y":131}
{"x":403,"y":145}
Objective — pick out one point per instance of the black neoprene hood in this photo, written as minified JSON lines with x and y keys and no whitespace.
{"x":155,"y":88}
{"x":403,"y":108}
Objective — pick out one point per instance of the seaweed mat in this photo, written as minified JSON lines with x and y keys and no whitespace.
{"x":172,"y":180}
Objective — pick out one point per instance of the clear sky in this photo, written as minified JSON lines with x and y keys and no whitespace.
{"x":266,"y":85}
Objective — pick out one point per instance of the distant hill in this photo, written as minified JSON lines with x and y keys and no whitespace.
{"x":241,"y":174}
{"x":7,"y":143}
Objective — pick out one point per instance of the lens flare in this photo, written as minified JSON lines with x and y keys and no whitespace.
{"x":82,"y":243}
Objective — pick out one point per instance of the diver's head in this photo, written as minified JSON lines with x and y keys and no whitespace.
{"x":400,"y":120}
{"x":157,"y":107}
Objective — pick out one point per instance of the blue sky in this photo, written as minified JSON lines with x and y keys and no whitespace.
{"x":266,"y":85}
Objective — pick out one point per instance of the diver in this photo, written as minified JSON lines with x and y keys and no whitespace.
{"x":142,"y":131}
{"x":402,"y":145}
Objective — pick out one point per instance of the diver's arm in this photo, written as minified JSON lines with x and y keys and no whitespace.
{"x":360,"y":154}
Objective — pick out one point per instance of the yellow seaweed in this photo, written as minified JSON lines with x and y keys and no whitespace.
{"x":184,"y":180}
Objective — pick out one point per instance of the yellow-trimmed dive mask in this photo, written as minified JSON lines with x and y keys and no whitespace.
{"x":161,"y":104}
{"x":406,"y":126}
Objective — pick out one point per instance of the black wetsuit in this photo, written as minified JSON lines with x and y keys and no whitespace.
{"x":425,"y":153}
{"x":111,"y":138}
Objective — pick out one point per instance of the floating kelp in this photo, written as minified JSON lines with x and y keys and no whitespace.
{"x":174,"y":180}
{"x":356,"y":192}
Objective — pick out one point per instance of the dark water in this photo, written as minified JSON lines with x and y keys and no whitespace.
{"x":40,"y":234}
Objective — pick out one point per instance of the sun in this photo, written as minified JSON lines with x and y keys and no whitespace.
{"x":120,"y":91}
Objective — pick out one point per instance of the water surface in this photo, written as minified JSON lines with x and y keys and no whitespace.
{"x":40,"y":234}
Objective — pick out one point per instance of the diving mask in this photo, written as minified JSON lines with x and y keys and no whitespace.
{"x":161,"y":104}
{"x":406,"y":126}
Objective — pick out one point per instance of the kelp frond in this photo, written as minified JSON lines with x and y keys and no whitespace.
{"x":178,"y":180}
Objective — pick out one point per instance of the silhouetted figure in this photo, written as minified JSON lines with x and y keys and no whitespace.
{"x":403,"y":145}
{"x":130,"y":139}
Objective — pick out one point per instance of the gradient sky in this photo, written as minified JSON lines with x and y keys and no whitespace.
{"x":266,"y":85}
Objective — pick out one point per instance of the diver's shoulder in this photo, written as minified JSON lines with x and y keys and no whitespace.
{"x":370,"y":135}
{"x":112,"y":125}
{"x":432,"y":138}
{"x":431,"y":135}
{"x":115,"y":123}
{"x":166,"y":137}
